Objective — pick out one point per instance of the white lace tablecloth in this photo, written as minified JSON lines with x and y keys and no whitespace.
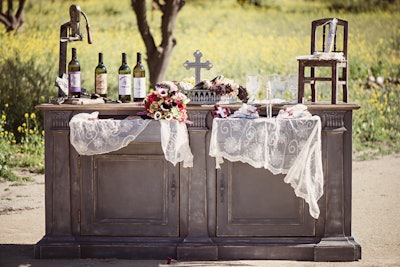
{"x":287,"y":146}
{"x":91,"y":136}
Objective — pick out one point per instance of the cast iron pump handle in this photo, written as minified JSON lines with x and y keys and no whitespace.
{"x":70,"y":32}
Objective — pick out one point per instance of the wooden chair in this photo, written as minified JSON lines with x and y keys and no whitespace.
{"x":325,"y":53}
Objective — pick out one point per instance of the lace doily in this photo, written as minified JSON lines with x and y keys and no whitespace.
{"x":91,"y":136}
{"x":287,"y":146}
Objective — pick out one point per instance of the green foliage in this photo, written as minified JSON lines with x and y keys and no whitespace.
{"x":25,"y":81}
{"x":7,"y":151}
{"x":376,"y":126}
{"x":28,"y":153}
{"x":237,"y":39}
{"x":357,"y":6}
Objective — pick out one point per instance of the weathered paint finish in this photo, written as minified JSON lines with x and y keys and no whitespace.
{"x":132,"y":203}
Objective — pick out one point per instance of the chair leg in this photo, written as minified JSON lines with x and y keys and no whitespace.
{"x":313,"y":85}
{"x":300,"y":89}
{"x":345,"y":92}
{"x":335,"y":80}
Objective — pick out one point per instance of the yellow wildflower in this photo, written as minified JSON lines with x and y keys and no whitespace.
{"x":23,"y":124}
{"x":3,"y":117}
{"x":33,"y":116}
{"x":6,"y":105}
{"x":30,"y":131}
{"x":19,"y":129}
{"x":26,"y":115}
{"x":43,"y":132}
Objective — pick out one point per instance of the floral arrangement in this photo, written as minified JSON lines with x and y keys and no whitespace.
{"x":167,"y":102}
{"x":223,"y":87}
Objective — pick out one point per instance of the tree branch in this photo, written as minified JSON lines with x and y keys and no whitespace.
{"x":11,"y":21}
{"x":160,"y":6}
{"x":20,"y":11}
{"x":168,"y":21}
{"x":139,"y":6}
{"x":10,"y":7}
{"x":158,"y":57}
{"x":5,"y":21}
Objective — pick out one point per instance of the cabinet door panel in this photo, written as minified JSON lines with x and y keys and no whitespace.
{"x":129,"y":195}
{"x":254,"y":202}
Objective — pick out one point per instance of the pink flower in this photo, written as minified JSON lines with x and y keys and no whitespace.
{"x":162,"y":92}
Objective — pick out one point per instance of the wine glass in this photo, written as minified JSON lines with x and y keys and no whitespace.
{"x":268,"y":98}
{"x":252,"y":85}
{"x":292,"y":85}
{"x":277,"y":86}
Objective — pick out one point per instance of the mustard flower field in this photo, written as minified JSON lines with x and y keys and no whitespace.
{"x":238,"y":40}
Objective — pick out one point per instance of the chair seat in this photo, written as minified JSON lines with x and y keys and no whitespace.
{"x":322,"y":62}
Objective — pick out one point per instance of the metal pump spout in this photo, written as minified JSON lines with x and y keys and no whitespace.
{"x":73,"y":26}
{"x":70,"y":32}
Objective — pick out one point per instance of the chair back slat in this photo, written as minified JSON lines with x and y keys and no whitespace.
{"x":323,"y":37}
{"x":321,"y":26}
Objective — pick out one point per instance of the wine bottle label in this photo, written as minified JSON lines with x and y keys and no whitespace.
{"x":124,"y":84}
{"x":139,"y":87}
{"x":101,"y":83}
{"x":74,"y":81}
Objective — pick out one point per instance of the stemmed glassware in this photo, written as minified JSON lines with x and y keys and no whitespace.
{"x":277,"y":85}
{"x":280,"y":85}
{"x":291,"y":85}
{"x":252,"y":85}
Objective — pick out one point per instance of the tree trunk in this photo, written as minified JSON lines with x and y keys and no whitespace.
{"x":11,"y":21}
{"x":158,"y":57}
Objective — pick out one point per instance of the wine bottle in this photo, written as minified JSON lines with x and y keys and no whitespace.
{"x":100,"y":78}
{"x":124,"y":81}
{"x":139,"y":80}
{"x":74,"y":76}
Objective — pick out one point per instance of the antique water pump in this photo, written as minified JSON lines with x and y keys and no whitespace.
{"x":70,"y":32}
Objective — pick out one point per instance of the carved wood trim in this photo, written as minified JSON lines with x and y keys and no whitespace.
{"x":60,"y":120}
{"x":198,"y":118}
{"x":333,"y":120}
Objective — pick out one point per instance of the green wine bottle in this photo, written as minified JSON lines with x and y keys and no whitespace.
{"x":139,"y":80}
{"x":74,"y":76}
{"x":100,"y":78}
{"x":124,"y":81}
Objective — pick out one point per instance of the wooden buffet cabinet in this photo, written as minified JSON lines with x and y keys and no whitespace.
{"x":132,"y":203}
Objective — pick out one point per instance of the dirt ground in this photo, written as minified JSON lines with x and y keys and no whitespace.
{"x":375,"y":222}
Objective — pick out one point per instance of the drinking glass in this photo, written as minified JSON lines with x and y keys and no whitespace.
{"x":252,"y":85}
{"x":277,"y":86}
{"x":292,"y":85}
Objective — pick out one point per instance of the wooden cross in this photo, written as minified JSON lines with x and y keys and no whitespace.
{"x":197,"y":65}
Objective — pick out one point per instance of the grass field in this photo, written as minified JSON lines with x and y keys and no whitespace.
{"x":238,"y":40}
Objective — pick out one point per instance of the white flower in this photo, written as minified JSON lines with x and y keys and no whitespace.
{"x":169,"y":117}
{"x":157,"y":115}
{"x":162,"y":92}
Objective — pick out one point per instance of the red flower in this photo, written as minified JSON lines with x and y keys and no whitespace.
{"x":152,"y":98}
